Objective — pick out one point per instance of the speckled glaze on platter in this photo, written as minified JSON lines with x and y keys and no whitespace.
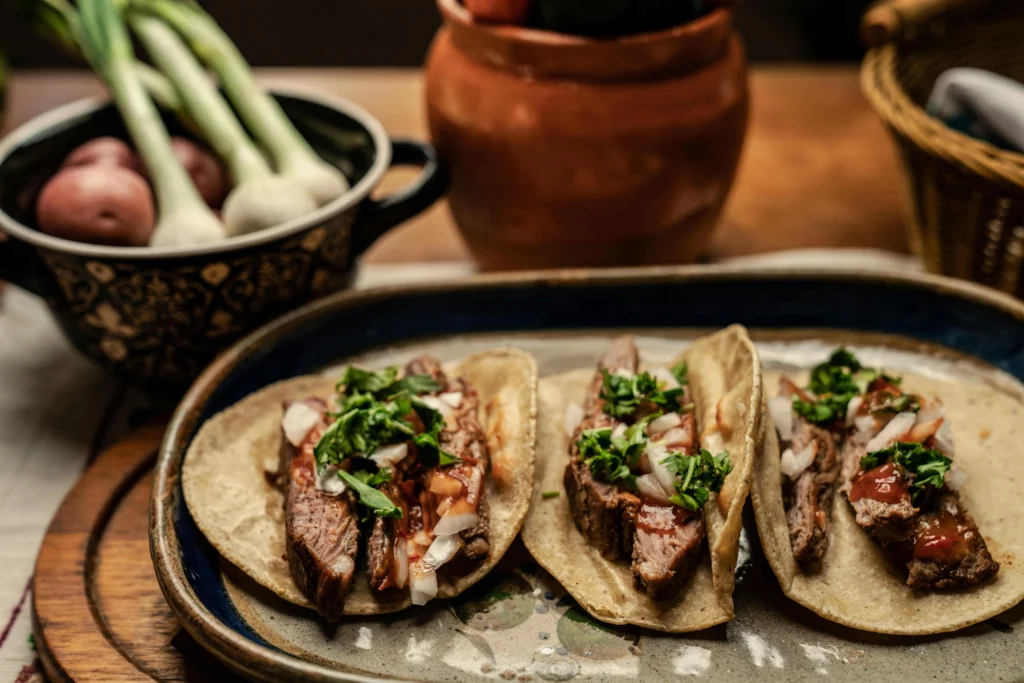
{"x":518,"y":624}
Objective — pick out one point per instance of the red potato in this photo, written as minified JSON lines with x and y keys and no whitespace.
{"x":105,"y":151}
{"x":98,"y":204}
{"x":499,"y":11}
{"x":206,"y":172}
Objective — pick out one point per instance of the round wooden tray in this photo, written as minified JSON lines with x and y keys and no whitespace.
{"x":98,"y":613}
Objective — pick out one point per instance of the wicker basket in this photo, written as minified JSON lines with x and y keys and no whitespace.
{"x":966,"y":196}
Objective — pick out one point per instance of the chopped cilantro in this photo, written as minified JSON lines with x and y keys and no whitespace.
{"x":927,"y":465}
{"x":835,"y":382}
{"x":699,"y":475}
{"x":374,"y":479}
{"x":611,"y":458}
{"x":428,"y":444}
{"x":384,"y":383}
{"x":681,"y":371}
{"x":820,"y":412}
{"x":623,"y":395}
{"x":364,"y":426}
{"x":550,"y":494}
{"x":370,"y":497}
{"x":899,"y":404}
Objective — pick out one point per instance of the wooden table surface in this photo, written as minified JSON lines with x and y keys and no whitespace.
{"x":818,"y":169}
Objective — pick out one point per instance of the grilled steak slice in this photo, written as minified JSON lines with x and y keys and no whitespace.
{"x":380,"y":557}
{"x":808,"y":499}
{"x":322,"y":531}
{"x":603,"y":513}
{"x":946,"y":550}
{"x":666,"y":546}
{"x":880,"y":497}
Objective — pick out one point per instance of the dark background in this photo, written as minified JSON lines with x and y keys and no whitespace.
{"x":397,"y":32}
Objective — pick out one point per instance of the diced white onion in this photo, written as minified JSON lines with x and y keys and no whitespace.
{"x":851,"y":409}
{"x":623,"y":372}
{"x":657,"y":452}
{"x":956,"y":478}
{"x":620,"y":429}
{"x":454,"y":523}
{"x":452,"y":398}
{"x":894,"y":431}
{"x":401,"y":563}
{"x":328,"y":481}
{"x":422,"y":585}
{"x":944,"y":440}
{"x":442,"y":550}
{"x":781,"y":410}
{"x":678,"y":437}
{"x":650,"y":487}
{"x":385,"y":456}
{"x":422,"y":538}
{"x":865,"y":424}
{"x":793,"y":464}
{"x":664,"y":376}
{"x":297,"y":422}
{"x":573,"y":417}
{"x":434,"y":402}
{"x":664,"y":423}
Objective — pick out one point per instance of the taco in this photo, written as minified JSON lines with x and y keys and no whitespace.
{"x":897,"y":550}
{"x":631,"y":484}
{"x":383,"y":490}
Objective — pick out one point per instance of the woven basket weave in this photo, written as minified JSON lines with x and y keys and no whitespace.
{"x":966,"y":196}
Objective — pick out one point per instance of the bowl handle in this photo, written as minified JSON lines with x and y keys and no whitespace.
{"x":20,"y":265}
{"x":377,"y":216}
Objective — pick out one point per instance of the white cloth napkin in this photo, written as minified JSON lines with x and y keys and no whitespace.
{"x":981,"y":104}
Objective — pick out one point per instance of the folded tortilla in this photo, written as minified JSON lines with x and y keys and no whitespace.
{"x":857,"y":585}
{"x":725,"y":377}
{"x":242,"y":514}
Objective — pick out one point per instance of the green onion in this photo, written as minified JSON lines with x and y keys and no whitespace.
{"x":58,"y":21}
{"x":292,"y":155}
{"x":185,"y":219}
{"x":259,"y":199}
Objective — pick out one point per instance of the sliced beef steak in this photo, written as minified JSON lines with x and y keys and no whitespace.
{"x":946,"y":549}
{"x":880,"y":497}
{"x":322,"y":531}
{"x":666,"y":546}
{"x":808,"y":499}
{"x":604,"y":514}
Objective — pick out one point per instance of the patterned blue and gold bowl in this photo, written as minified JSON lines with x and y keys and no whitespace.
{"x":157,"y":316}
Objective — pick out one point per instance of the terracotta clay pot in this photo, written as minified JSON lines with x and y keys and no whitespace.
{"x":569,"y":151}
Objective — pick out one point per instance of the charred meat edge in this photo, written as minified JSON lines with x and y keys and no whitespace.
{"x":464,"y":438}
{"x":321,"y":530}
{"x":665,"y":546}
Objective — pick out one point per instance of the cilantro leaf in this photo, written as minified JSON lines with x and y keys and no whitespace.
{"x":898,"y":404}
{"x":444,"y":459}
{"x":428,"y":444}
{"x":680,"y":371}
{"x":820,"y":412}
{"x":415,"y":385}
{"x":364,"y":426}
{"x":359,"y":381}
{"x":623,"y":395}
{"x":370,"y":497}
{"x":374,"y":479}
{"x":607,"y":462}
{"x":699,"y":475}
{"x":927,"y":465}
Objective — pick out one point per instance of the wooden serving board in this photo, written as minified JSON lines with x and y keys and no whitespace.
{"x":98,"y":613}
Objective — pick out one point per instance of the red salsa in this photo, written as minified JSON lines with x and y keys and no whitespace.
{"x":941,"y":538}
{"x":885,"y":484}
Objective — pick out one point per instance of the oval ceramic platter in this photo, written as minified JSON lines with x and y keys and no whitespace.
{"x":518,"y":623}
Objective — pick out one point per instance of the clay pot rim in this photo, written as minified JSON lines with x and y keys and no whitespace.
{"x":454,"y":12}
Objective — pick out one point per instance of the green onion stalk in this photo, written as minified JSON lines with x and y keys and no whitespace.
{"x":58,"y":21}
{"x":260,"y":199}
{"x":291,"y":153}
{"x":184,"y":219}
